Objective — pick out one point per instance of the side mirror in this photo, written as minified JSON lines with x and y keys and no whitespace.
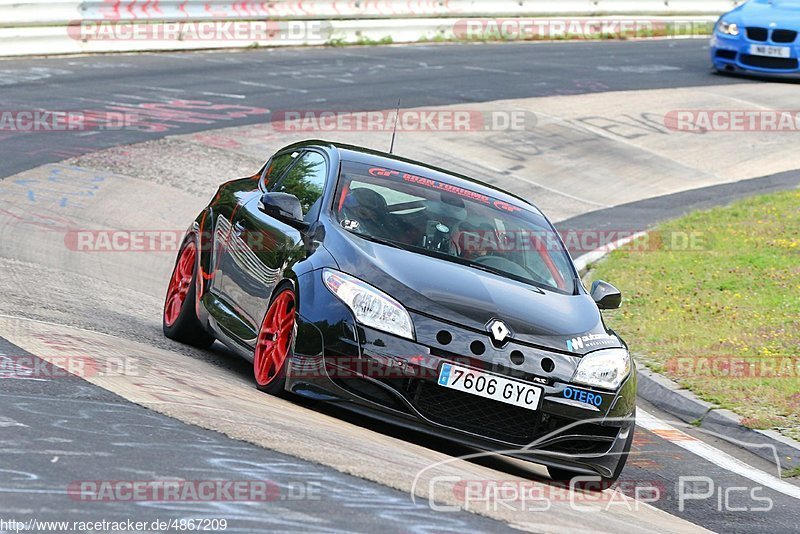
{"x":285,"y":208}
{"x":606,"y":296}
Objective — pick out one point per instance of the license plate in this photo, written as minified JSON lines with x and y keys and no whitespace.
{"x":770,"y":51}
{"x":490,"y":386}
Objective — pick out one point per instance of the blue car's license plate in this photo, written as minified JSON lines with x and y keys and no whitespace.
{"x":771,"y":51}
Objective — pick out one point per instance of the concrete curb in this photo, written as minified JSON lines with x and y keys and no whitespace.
{"x":671,"y":397}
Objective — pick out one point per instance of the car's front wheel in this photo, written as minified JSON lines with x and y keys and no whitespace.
{"x":274,"y":344}
{"x":180,"y":317}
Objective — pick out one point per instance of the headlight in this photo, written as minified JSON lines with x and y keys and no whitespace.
{"x":371,"y":306}
{"x":728,"y":28}
{"x":604,"y":368}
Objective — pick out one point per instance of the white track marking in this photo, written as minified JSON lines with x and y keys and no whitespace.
{"x":36,"y":491}
{"x":273,"y":86}
{"x":496,"y":71}
{"x":224,"y":95}
{"x":712,"y":454}
{"x":737,"y":99}
{"x":599,"y":253}
{"x":166,"y":89}
{"x":7,"y":422}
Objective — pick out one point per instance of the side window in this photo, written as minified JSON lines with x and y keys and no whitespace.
{"x":277,"y":166}
{"x":305,"y":180}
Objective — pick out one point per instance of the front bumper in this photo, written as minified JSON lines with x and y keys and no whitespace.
{"x":396,"y":379}
{"x":732,"y":54}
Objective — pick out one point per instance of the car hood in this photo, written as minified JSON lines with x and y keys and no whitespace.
{"x":472,"y":298}
{"x":784,"y":13}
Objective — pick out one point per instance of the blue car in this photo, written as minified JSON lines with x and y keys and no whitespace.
{"x":760,"y":37}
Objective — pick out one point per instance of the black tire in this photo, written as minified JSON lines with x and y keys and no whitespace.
{"x":186,"y":328}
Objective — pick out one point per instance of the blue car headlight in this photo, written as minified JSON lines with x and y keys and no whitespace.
{"x":728,"y":28}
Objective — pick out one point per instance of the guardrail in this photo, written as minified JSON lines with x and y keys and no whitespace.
{"x":65,"y":26}
{"x":48,"y":12}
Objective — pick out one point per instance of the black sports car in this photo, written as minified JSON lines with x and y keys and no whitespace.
{"x":411,"y":294}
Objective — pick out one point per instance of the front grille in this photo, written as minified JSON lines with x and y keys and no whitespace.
{"x":475,"y":414}
{"x":757,"y":34}
{"x":497,"y":420}
{"x":775,"y":63}
{"x":784,"y":36}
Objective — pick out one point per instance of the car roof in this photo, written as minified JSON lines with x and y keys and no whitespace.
{"x":358,"y":154}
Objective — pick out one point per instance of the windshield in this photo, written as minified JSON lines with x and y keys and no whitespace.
{"x":439,"y":219}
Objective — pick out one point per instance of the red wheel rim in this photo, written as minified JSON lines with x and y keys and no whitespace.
{"x":274,"y":338}
{"x":180,"y":283}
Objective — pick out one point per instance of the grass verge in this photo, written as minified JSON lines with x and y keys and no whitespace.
{"x":722,"y":315}
{"x":792,"y":473}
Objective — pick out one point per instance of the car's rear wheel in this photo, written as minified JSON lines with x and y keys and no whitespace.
{"x":566,"y":476}
{"x":180,"y":316}
{"x":275,"y":340}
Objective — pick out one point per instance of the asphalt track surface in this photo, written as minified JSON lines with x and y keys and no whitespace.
{"x":330,"y":78}
{"x":46,"y":426}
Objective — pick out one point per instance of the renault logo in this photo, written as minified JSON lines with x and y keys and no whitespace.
{"x":498,"y":330}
